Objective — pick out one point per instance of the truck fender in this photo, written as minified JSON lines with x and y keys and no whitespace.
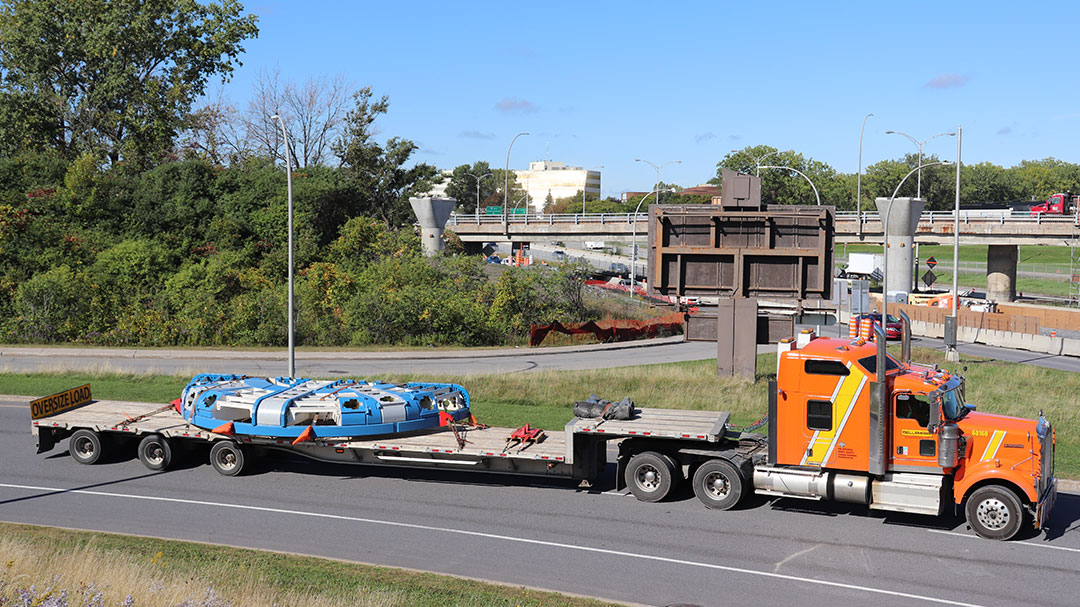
{"x":1006,"y":481}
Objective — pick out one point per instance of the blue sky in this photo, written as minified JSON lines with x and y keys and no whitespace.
{"x":603,"y":83}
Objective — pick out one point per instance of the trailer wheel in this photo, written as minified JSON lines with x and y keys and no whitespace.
{"x":155,"y":452}
{"x":650,"y":476}
{"x":718,"y":484}
{"x":85,"y":446}
{"x":994,"y":512}
{"x":227,"y":458}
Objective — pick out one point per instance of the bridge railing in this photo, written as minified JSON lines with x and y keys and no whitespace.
{"x":966,"y":216}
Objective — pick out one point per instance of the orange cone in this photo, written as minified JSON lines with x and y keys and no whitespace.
{"x":307,"y":434}
{"x":224,"y":429}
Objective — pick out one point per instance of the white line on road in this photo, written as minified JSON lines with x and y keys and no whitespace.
{"x":1010,"y":543}
{"x":506,"y":538}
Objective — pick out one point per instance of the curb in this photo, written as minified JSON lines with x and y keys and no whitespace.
{"x":325,"y":355}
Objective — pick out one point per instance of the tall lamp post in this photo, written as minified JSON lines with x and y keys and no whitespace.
{"x":633,"y":239}
{"x":885,"y":242}
{"x":657,"y":167}
{"x":478,"y":190}
{"x":919,"y":145}
{"x":583,"y":187}
{"x":506,"y":176}
{"x":288,"y":179}
{"x":858,"y":181}
{"x":812,"y":186}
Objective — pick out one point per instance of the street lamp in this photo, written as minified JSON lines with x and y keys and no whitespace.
{"x":506,"y":176}
{"x":757,"y":162}
{"x":919,"y":145}
{"x":288,"y":179}
{"x":658,"y":172}
{"x":885,"y":242}
{"x":583,"y":187}
{"x":633,"y":238}
{"x":816,"y":195}
{"x":858,"y":182}
{"x":478,"y":191}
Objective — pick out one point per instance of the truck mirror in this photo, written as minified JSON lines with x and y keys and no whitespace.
{"x":935,"y":415}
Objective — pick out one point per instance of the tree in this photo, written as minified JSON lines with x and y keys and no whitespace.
{"x":116,"y":77}
{"x":785,"y":187}
{"x":379,"y":173}
{"x":462,"y":186}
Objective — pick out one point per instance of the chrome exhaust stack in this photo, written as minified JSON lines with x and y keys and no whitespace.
{"x":905,"y":338}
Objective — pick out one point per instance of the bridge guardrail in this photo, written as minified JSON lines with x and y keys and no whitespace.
{"x":845,"y":216}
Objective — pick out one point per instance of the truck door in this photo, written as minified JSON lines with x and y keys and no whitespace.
{"x":833,"y":391}
{"x":912,"y":443}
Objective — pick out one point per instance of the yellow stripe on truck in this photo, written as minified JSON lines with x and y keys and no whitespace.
{"x":993,"y":445}
{"x":844,"y":398}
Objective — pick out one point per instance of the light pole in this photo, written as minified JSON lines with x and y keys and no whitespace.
{"x":816,"y":195}
{"x":633,"y":239}
{"x":506,"y":181}
{"x":758,"y":161}
{"x":583,"y":187}
{"x":288,"y":179}
{"x":919,"y":145}
{"x":478,"y":191}
{"x":657,"y":167}
{"x":858,"y":181}
{"x":885,"y":242}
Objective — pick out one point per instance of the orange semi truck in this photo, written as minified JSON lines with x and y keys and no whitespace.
{"x":846,"y":421}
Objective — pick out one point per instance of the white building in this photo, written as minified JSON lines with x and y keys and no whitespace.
{"x":545,"y":177}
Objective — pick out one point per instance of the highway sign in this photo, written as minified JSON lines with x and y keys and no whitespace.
{"x":929,"y":277}
{"x":931,"y":262}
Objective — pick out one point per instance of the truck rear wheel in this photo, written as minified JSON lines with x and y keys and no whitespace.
{"x":155,"y":452}
{"x":85,"y":446}
{"x":227,"y":458}
{"x":650,"y":476}
{"x":718,"y":484}
{"x":994,"y":512}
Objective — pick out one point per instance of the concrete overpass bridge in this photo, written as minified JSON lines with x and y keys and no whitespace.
{"x":936,"y":227}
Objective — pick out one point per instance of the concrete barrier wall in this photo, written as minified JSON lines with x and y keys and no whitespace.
{"x":1004,"y":339}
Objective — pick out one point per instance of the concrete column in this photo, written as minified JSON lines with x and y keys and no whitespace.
{"x":900,"y":240}
{"x":1001,"y":272}
{"x":432,"y":214}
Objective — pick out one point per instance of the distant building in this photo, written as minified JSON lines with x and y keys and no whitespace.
{"x":704,"y":189}
{"x":438,"y":190}
{"x":555,"y":178}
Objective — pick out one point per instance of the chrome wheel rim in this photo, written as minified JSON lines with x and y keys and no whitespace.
{"x":992,"y":513}
{"x":648,"y":477}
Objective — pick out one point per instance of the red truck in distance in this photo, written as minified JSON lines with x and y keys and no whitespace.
{"x":1057,"y":204}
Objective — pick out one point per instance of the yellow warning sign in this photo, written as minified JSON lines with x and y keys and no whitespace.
{"x":906,"y":432}
{"x":60,"y":402}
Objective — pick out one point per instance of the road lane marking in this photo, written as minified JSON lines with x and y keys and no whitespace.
{"x":1010,"y":543}
{"x":506,"y":538}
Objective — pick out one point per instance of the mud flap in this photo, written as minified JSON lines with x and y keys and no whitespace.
{"x":46,"y":440}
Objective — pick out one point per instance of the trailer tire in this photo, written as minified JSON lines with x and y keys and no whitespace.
{"x":994,"y":512}
{"x":650,"y":476}
{"x":85,"y":446}
{"x":155,"y":452}
{"x":718,"y":484}
{"x":227,"y":458}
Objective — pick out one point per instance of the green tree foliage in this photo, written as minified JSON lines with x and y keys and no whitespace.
{"x":112,"y":77}
{"x":463,"y":183}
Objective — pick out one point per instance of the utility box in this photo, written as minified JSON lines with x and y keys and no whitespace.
{"x":950,"y":331}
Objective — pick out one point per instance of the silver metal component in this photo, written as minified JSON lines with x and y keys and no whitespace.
{"x":809,"y":484}
{"x":904,"y":492}
{"x":948,"y":446}
{"x":993,"y":514}
{"x":851,"y":488}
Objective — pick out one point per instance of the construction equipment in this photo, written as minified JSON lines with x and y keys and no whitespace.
{"x":523,"y":437}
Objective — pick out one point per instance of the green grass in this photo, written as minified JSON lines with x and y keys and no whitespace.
{"x":1042,"y":286}
{"x":944,"y":253}
{"x":544,"y":399}
{"x":157,"y":571}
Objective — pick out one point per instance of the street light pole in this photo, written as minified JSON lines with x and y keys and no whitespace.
{"x":956,"y":226}
{"x":858,"y":182}
{"x":919,"y":145}
{"x":758,"y":161}
{"x":478,"y":191}
{"x":816,"y":195}
{"x":633,"y":240}
{"x":506,"y":181}
{"x":657,"y":167}
{"x":288,"y":179}
{"x":885,"y":242}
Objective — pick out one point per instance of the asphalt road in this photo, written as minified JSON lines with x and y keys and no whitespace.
{"x":547,"y":534}
{"x":453,"y":362}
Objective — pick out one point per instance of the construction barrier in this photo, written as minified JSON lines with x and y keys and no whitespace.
{"x":860,"y":328}
{"x":612,"y":330}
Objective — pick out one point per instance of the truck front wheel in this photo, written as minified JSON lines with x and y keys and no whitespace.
{"x":994,"y":512}
{"x":718,"y":484}
{"x":650,"y":476}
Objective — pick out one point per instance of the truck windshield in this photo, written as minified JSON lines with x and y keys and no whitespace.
{"x":952,"y":404}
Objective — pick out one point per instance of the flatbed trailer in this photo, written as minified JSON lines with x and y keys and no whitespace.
{"x":663,"y":443}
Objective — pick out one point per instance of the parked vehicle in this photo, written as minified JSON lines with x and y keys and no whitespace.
{"x":1057,"y":204}
{"x":846,"y":422}
{"x":559,"y":255}
{"x":893,"y":327}
{"x":594,"y":245}
{"x":863,"y":265}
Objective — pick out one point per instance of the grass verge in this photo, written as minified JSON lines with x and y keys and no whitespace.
{"x":49,"y":566}
{"x":545,"y":398}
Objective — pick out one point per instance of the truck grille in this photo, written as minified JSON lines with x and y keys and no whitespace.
{"x":1046,"y":460}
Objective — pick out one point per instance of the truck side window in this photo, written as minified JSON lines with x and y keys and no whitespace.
{"x":826,"y":367}
{"x":909,"y":406}
{"x":819,"y":415}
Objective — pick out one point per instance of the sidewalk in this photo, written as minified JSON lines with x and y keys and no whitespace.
{"x":150,"y":353}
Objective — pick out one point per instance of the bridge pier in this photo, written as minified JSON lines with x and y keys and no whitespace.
{"x":432,"y":214}
{"x":1001,"y":272}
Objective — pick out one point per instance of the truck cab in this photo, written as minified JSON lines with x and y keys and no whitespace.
{"x":1057,"y":204}
{"x":852,"y":423}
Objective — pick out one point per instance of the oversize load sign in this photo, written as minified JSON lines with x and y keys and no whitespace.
{"x":60,"y":402}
